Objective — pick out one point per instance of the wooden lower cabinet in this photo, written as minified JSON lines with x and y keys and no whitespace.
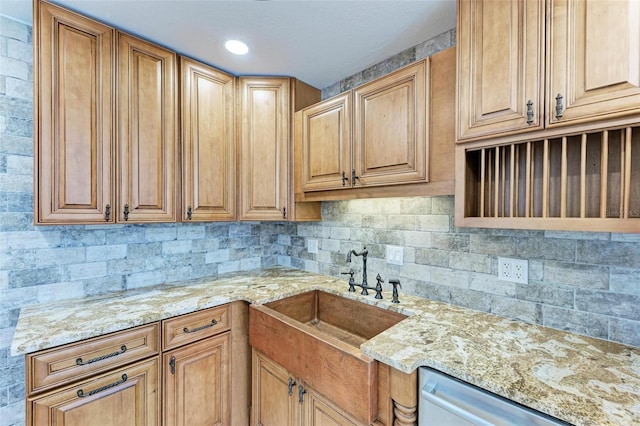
{"x":126,"y":396}
{"x":196,"y":383}
{"x":282,"y":399}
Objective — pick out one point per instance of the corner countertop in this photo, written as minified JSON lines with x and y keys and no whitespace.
{"x":578,"y":379}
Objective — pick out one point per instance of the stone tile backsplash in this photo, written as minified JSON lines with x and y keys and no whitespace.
{"x":588,"y":283}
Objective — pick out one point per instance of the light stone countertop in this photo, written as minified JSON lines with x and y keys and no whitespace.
{"x":578,"y":379}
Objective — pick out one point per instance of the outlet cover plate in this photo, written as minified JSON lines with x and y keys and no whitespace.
{"x":395,"y":255}
{"x":312,"y":246}
{"x":513,"y":270}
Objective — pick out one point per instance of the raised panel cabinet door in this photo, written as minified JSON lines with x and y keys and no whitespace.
{"x":265,"y":132}
{"x":147,"y":131}
{"x":500,"y":67}
{"x":275,"y":394}
{"x":74,"y":99}
{"x":326,"y":144}
{"x":197,"y":383}
{"x":208,"y":142}
{"x":390,"y":128}
{"x":319,"y":411}
{"x":127,"y":396}
{"x":594,"y":60}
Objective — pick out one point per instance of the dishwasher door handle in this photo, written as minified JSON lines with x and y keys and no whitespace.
{"x":428,"y":394}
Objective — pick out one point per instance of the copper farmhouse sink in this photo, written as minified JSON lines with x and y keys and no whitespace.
{"x":317,"y":337}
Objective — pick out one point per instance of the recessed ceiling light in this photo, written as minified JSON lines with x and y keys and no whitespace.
{"x":236,"y":47}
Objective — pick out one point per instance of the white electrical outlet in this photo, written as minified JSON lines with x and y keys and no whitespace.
{"x":513,"y":270}
{"x":395,"y":255}
{"x":312,"y":246}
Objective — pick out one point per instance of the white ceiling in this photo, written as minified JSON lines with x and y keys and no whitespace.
{"x":317,"y":41}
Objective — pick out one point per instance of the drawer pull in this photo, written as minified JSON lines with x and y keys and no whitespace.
{"x":81,"y":394}
{"x":123,"y":349}
{"x":202,"y":327}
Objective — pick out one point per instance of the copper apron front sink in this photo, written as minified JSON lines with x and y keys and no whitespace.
{"x":317,"y":337}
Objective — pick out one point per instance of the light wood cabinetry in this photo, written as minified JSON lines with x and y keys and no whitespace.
{"x":90,"y":382}
{"x":74,"y":100}
{"x":265,"y":149}
{"x":95,"y":164}
{"x":199,"y":367}
{"x":594,"y":60}
{"x":574,"y":166}
{"x":591,"y":75}
{"x":208,"y":142}
{"x":281,"y":398}
{"x":396,"y":130}
{"x":500,"y":67}
{"x":147,"y":131}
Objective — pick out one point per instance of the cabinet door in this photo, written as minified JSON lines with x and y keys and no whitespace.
{"x":147,"y":135}
{"x":594,"y":61}
{"x":390,"y":128}
{"x":74,"y":59}
{"x":319,"y":411}
{"x":326,"y":144}
{"x":208,"y":143}
{"x":197,"y":383}
{"x":264,"y":148}
{"x":500,"y":67}
{"x":128,"y":396}
{"x":275,"y":398}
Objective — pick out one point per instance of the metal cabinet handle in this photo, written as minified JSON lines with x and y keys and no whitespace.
{"x":122,"y":350}
{"x":172,"y":364}
{"x":189,"y":213}
{"x":284,"y":212}
{"x":126,"y":212}
{"x":202,"y":327}
{"x":559,"y":106}
{"x":107,"y":212}
{"x":301,"y":392}
{"x":81,"y":393}
{"x":292,"y":383}
{"x":529,"y":112}
{"x":354,"y":177}
{"x":345,"y":179}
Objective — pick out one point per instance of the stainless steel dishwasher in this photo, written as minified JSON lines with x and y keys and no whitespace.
{"x":445,"y":401}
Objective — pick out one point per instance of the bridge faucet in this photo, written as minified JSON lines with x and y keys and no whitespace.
{"x":364,"y":254}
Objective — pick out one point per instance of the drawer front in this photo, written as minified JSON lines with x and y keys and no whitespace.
{"x":189,"y":328}
{"x":75,"y":361}
{"x":126,"y":396}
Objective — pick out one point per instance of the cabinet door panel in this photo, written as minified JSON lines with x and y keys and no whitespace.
{"x":128,"y":396}
{"x":500,"y":67}
{"x":326,"y":144}
{"x":208,"y":142}
{"x":594,"y":61}
{"x":319,"y":411}
{"x":390,"y":128}
{"x":74,"y":98}
{"x":272,"y":404}
{"x":264,"y":148}
{"x":196,"y":383}
{"x":148,"y":140}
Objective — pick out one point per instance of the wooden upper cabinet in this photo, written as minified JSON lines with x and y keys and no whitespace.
{"x":326,"y":144}
{"x":594,"y":60}
{"x":264,"y":147}
{"x":74,"y":104}
{"x":147,"y":131}
{"x":390,"y":128}
{"x":208,"y":143}
{"x":500,"y":67}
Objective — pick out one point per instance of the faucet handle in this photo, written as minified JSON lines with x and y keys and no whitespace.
{"x":352,"y":283}
{"x":379,"y":286}
{"x":395,"y":283}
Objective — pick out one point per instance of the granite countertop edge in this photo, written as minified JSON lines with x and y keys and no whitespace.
{"x":578,"y":379}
